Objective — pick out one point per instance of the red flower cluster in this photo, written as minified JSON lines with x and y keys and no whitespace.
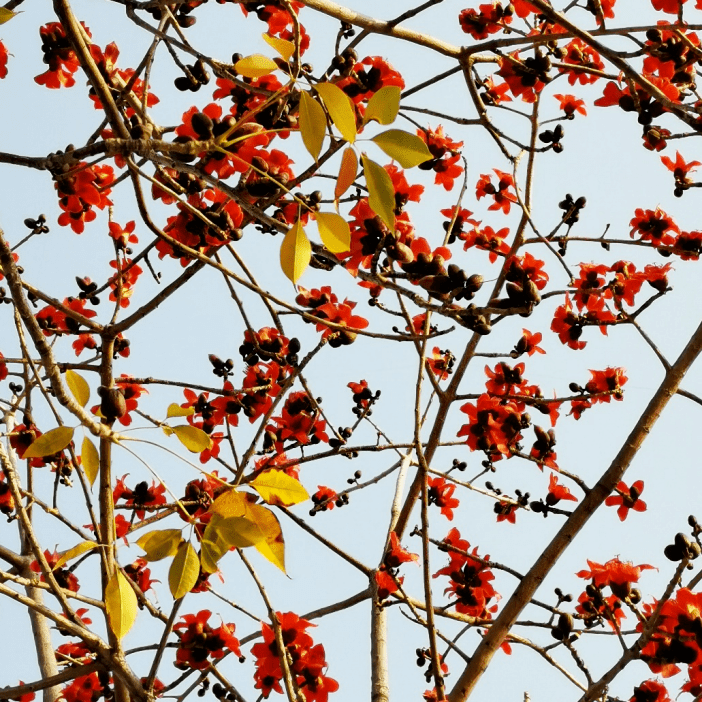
{"x":87,"y":688}
{"x":446,"y":156}
{"x":324,"y":305}
{"x":123,"y":281}
{"x":491,"y":19}
{"x":222,"y":218}
{"x":363,"y":79}
{"x":677,"y":639}
{"x":307,"y":661}
{"x":469,"y":578}
{"x":618,"y":577}
{"x":299,"y":422}
{"x":80,"y":190}
{"x":493,"y":426}
{"x":59,"y":56}
{"x":199,"y":642}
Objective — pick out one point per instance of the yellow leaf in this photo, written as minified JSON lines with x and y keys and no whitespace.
{"x":347,"y":172}
{"x":313,"y":124}
{"x":241,"y":532}
{"x":407,"y":149}
{"x":273,"y":547}
{"x":50,"y":443}
{"x":340,"y":108}
{"x":383,"y":106}
{"x":74,"y":552}
{"x":381,"y":192}
{"x":160,"y":543}
{"x":295,"y":252}
{"x":231,"y":503}
{"x":213,"y":546}
{"x":279,"y":488}
{"x":90,"y":460}
{"x":175,"y":410}
{"x":79,"y":387}
{"x":121,"y":604}
{"x":6,"y":15}
{"x":255,"y":66}
{"x":192,"y":438}
{"x":184,"y":571}
{"x":334,"y":231}
{"x":285,"y":48}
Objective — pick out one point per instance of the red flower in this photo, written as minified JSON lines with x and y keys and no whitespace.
{"x":341,"y":314}
{"x":489,"y":20}
{"x":396,"y":555}
{"x":570,"y":105}
{"x":80,"y":190}
{"x":307,"y":662}
{"x":528,"y":343}
{"x":503,"y":198}
{"x":3,"y":368}
{"x":469,"y":578}
{"x":441,"y":363}
{"x":324,"y":499}
{"x":606,"y":384}
{"x":140,"y":574}
{"x":651,"y":691}
{"x":627,"y":498}
{"x":654,"y":226}
{"x":488,"y":239}
{"x":613,"y":572}
{"x":3,"y":74}
{"x":669,"y":6}
{"x":524,"y":77}
{"x":504,"y":380}
{"x":581,"y":55}
{"x":568,"y":326}
{"x":506,"y":512}
{"x":64,"y":577}
{"x":558,"y":492}
{"x":123,"y":235}
{"x":141,"y":496}
{"x":199,"y":641}
{"x":440,"y":493}
{"x":446,"y":156}
{"x":371,"y":74}
{"x":492,"y":426}
{"x":680,"y":169}
{"x":59,"y":56}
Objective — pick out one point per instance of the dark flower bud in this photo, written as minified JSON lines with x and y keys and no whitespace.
{"x":113,"y":405}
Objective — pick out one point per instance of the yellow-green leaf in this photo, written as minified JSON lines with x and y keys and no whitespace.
{"x":313,"y":124}
{"x":381,"y":192}
{"x":334,"y":231}
{"x":347,"y":172}
{"x":74,"y":552}
{"x":407,"y":149}
{"x":241,"y":532}
{"x":231,"y":503}
{"x":160,"y":543}
{"x":193,"y":438}
{"x":295,"y":252}
{"x":340,"y":108}
{"x":273,"y":547}
{"x":383,"y":106}
{"x":90,"y":460}
{"x":175,"y":410}
{"x":50,"y":443}
{"x":79,"y":387}
{"x":279,"y":488}
{"x":6,"y":15}
{"x":255,"y":66}
{"x":285,"y":48}
{"x":184,"y":571}
{"x":121,"y":604}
